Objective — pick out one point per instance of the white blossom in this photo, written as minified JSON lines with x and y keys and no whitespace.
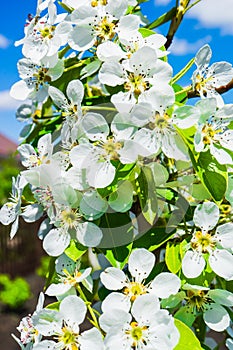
{"x":140,"y":265}
{"x":158,"y":133}
{"x":137,"y":75}
{"x":209,"y":302}
{"x":64,"y":328}
{"x":10,"y":211}
{"x":29,"y":334}
{"x":144,"y":327}
{"x":70,"y":108}
{"x":207,"y":78}
{"x":69,"y":276}
{"x":45,"y":35}
{"x":210,"y":243}
{"x":95,"y":157}
{"x":36,"y":78}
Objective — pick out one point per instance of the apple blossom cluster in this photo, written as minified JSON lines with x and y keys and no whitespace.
{"x":132,"y":184}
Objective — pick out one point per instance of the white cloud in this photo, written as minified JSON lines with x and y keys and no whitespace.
{"x":214,"y":14}
{"x":162,"y":2}
{"x":4,"y":42}
{"x":7,"y":103}
{"x":182,"y":47}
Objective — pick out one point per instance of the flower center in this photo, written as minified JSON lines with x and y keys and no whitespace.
{"x":134,"y":289}
{"x":69,"y":339}
{"x":95,"y":3}
{"x":34,"y":161}
{"x":201,"y":82}
{"x":71,"y":279}
{"x":159,"y":121}
{"x":47,"y":32}
{"x":70,"y":218}
{"x":203,"y":242}
{"x":137,"y":334}
{"x":105,"y":29}
{"x":111,"y":148}
{"x":41,"y":77}
{"x":209,"y":133}
{"x":197,"y":300}
{"x":136,"y":83}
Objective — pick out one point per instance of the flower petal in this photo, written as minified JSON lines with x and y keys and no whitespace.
{"x":89,"y":234}
{"x":113,"y":278}
{"x":91,"y":339}
{"x":192,"y":264}
{"x":206,"y":215}
{"x":145,"y":308}
{"x":222,"y":264}
{"x":165,"y":284}
{"x":140,"y":264}
{"x":73,"y":309}
{"x":117,"y":301}
{"x":221,"y":296}
{"x":217,"y":318}
{"x":55,"y":242}
{"x":224,"y":235}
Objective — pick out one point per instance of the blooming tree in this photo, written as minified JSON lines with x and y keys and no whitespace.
{"x":131,"y":181}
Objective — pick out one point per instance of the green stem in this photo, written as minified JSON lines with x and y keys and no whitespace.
{"x":166,"y":17}
{"x":91,"y":311}
{"x":188,"y":88}
{"x":62,"y":53}
{"x":77,"y":65}
{"x":176,"y":20}
{"x":112,"y":109}
{"x":182,"y":72}
{"x":200,"y":329}
{"x":189,"y":7}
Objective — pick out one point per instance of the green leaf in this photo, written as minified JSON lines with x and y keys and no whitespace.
{"x":165,"y":193}
{"x":173,"y":300}
{"x":65,"y":194}
{"x":92,"y":205}
{"x":117,"y":229}
{"x":121,"y":200}
{"x":69,"y":74}
{"x":186,"y":180}
{"x":47,"y":110}
{"x":146,"y":32}
{"x":172,"y":257}
{"x":127,"y":172}
{"x":90,"y":68}
{"x":75,"y":250}
{"x":188,"y":340}
{"x":118,"y":256}
{"x":181,"y":97}
{"x":177,"y":215}
{"x":200,"y":192}
{"x":51,"y":271}
{"x":229,"y":192}
{"x":163,"y":19}
{"x":159,"y":173}
{"x":146,"y":190}
{"x":153,"y":238}
{"x":54,"y":306}
{"x":213,"y":174}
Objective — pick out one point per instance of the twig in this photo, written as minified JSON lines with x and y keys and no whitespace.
{"x":221,"y":90}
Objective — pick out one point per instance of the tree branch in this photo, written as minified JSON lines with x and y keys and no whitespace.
{"x":176,"y":20}
{"x":221,"y":90}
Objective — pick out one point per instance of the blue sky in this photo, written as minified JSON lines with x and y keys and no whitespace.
{"x":210,"y":21}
